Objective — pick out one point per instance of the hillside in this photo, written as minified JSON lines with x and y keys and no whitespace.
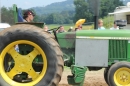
{"x":55,"y":7}
{"x":67,"y":5}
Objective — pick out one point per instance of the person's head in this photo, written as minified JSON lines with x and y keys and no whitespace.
{"x":61,"y":29}
{"x":115,"y":24}
{"x":80,"y":27}
{"x":45,"y":28}
{"x":28,"y":15}
{"x":100,"y":23}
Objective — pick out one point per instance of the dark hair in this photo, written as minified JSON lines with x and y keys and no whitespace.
{"x":115,"y":22}
{"x":60,"y":26}
{"x":76,"y":29}
{"x":28,"y":12}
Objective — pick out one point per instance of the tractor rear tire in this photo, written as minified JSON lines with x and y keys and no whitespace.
{"x":44,"y":44}
{"x":119,"y":74}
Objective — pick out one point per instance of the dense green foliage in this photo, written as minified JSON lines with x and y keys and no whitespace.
{"x":7,"y":15}
{"x":66,"y":12}
{"x":108,"y":6}
{"x":65,"y":17}
{"x":82,"y":10}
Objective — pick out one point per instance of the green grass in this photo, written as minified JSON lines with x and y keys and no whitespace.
{"x":108,"y":23}
{"x":67,"y":26}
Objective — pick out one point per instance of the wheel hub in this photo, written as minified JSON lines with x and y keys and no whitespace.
{"x":122,"y":76}
{"x":25,"y":63}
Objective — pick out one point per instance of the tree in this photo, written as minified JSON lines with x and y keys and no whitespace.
{"x":82,"y":10}
{"x":108,"y":6}
{"x":7,"y":15}
{"x":65,"y":17}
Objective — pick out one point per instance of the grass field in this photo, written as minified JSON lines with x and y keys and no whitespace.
{"x":67,"y":26}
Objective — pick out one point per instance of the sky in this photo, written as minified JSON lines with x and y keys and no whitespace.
{"x":25,"y":4}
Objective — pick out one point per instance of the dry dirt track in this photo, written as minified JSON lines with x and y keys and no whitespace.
{"x":93,"y":78}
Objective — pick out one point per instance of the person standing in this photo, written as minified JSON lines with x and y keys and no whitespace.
{"x":100,"y":25}
{"x":115,"y":27}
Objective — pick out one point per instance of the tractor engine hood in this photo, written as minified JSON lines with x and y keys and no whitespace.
{"x":104,"y":34}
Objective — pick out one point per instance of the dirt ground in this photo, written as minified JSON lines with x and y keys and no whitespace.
{"x":93,"y":78}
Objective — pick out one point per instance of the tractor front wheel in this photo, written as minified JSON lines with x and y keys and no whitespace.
{"x":119,"y":74}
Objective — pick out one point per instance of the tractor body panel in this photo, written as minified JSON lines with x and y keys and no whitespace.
{"x":118,"y":50}
{"x":67,"y":39}
{"x":89,"y":52}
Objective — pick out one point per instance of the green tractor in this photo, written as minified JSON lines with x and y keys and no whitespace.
{"x":41,"y":57}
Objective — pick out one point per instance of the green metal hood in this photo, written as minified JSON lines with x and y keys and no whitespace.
{"x":103,"y":34}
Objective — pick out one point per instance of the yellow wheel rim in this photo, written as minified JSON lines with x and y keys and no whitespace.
{"x":122,"y":77}
{"x":25,"y":63}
